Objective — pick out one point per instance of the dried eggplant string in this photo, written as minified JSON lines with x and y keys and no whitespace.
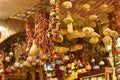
{"x":41,"y":29}
{"x":29,"y":32}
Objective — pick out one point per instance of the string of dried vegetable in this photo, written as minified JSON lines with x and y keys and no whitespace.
{"x":114,"y":18}
{"x":41,"y":29}
{"x":54,"y":25}
{"x":29,"y":32}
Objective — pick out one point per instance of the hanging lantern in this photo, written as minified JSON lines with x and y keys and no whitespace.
{"x":66,"y":58}
{"x":101,"y":63}
{"x":33,"y":63}
{"x":11,"y":54}
{"x":7,"y":59}
{"x":37,"y":60}
{"x":12,"y":68}
{"x":48,"y":67}
{"x":8,"y":69}
{"x":73,"y":66}
{"x":59,"y":61}
{"x":41,"y":62}
{"x":62,"y":68}
{"x":21,"y":66}
{"x":88,"y":67}
{"x":69,"y":71}
{"x":27,"y":64}
{"x":1,"y":70}
{"x":96,"y":67}
{"x":16,"y":64}
{"x":69,"y":65}
{"x":92,"y":60}
{"x":55,"y":56}
{"x":29,"y":58}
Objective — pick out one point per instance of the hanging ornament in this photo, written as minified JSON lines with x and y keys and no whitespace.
{"x":30,"y":58}
{"x":59,"y":61}
{"x":101,"y":63}
{"x":12,"y":67}
{"x":55,"y":56}
{"x":33,"y":50}
{"x":62,"y":68}
{"x":26,"y":63}
{"x":48,"y":67}
{"x":33,"y":63}
{"x":73,"y":66}
{"x":79,"y":63}
{"x":7,"y":59}
{"x":96,"y":67}
{"x":88,"y":67}
{"x":21,"y":66}
{"x":11,"y":54}
{"x":66,"y":58}
{"x":41,"y":62}
{"x":92,"y":60}
{"x":16,"y":64}
{"x":8,"y":69}
{"x":69,"y":65}
{"x":69,"y":71}
{"x":37,"y":60}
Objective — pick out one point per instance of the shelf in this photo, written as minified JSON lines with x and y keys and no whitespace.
{"x":106,"y":71}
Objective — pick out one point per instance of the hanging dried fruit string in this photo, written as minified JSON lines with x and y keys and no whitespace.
{"x":54,"y":25}
{"x":114,"y":47}
{"x":114,"y":18}
{"x":29,"y":32}
{"x":41,"y":39}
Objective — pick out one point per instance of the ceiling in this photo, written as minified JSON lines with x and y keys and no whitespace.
{"x":11,"y":7}
{"x":95,"y":6}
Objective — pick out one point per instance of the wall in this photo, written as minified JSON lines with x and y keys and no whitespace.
{"x":10,"y":27}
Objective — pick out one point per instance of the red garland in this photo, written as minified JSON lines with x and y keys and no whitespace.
{"x":40,"y":35}
{"x":114,"y":47}
{"x":29,"y":32}
{"x":115,"y":17}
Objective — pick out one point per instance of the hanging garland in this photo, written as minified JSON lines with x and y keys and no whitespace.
{"x":114,"y":17}
{"x":41,"y":39}
{"x":29,"y":32}
{"x":115,"y":24}
{"x":54,"y":25}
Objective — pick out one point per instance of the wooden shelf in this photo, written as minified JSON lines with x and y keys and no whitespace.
{"x":106,"y":71}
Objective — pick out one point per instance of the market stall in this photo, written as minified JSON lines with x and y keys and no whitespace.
{"x":62,"y":40}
